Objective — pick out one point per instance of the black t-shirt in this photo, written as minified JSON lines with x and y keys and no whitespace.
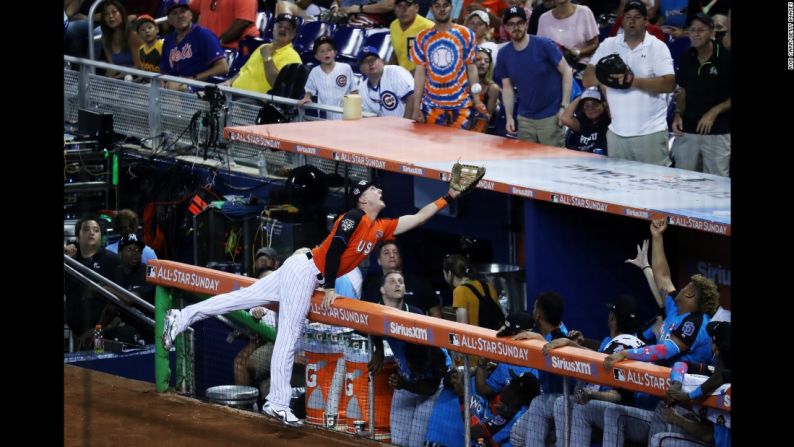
{"x":706,"y":86}
{"x":134,"y":282}
{"x":591,"y":135}
{"x":83,"y":308}
{"x":534,"y":18}
{"x":417,"y":291}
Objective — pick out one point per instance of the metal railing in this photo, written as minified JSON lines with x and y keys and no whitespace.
{"x":148,"y":111}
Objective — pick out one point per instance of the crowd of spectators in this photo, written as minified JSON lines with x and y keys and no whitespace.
{"x":526,"y":61}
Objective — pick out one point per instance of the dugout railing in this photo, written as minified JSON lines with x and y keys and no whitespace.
{"x":379,"y":320}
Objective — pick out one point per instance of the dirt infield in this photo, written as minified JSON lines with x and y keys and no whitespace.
{"x":101,"y":409}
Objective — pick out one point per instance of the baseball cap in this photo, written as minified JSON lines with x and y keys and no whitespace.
{"x":719,"y":331}
{"x":266,"y":251}
{"x":639,"y":6}
{"x":366,"y":51}
{"x":360,"y":187}
{"x":704,"y":19}
{"x":129,"y":239}
{"x":514,"y":11}
{"x":515,"y":323}
{"x":481,"y":14}
{"x":321,"y":40}
{"x":592,"y":93}
{"x":410,"y":2}
{"x":288,"y":17}
{"x":528,"y":383}
{"x":624,"y":307}
{"x":143,"y":18}
{"x":171,"y":4}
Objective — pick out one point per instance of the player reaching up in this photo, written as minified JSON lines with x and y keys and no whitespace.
{"x":353,"y":236}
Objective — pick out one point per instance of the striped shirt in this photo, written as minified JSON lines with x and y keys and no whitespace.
{"x":388,"y":98}
{"x":445,"y":55}
{"x":331,"y":87}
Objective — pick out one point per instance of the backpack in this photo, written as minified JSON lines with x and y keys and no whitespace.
{"x":491,"y":316}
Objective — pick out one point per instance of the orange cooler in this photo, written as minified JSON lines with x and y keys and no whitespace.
{"x":321,"y":359}
{"x":323,"y":346}
{"x":355,"y":401}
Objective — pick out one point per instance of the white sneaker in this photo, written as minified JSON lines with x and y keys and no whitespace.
{"x":283,"y":414}
{"x":169,"y":329}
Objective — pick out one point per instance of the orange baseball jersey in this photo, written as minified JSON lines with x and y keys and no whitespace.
{"x":445,"y":55}
{"x":352,"y":238}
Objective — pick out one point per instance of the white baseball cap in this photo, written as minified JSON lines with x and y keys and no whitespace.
{"x":592,"y":93}
{"x":481,"y":14}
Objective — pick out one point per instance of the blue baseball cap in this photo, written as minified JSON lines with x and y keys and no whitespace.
{"x":366,"y":51}
{"x":171,"y":4}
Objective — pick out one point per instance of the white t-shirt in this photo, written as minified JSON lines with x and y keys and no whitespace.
{"x":389,"y":96}
{"x":637,"y":112}
{"x":331,"y":88}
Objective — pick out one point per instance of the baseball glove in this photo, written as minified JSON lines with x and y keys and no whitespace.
{"x":465,"y":177}
{"x":613,"y":72}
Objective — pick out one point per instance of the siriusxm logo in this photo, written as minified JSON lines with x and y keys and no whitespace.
{"x":414,"y":332}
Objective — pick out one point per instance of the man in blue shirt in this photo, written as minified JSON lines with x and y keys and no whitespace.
{"x":190,"y":51}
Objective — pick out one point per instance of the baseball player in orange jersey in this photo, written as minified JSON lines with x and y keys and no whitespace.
{"x":354,"y":235}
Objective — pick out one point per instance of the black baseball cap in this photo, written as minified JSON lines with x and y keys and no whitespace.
{"x":639,"y":6}
{"x":624,"y":307}
{"x":704,"y":19}
{"x":514,"y":11}
{"x":515,"y":323}
{"x":266,"y":251}
{"x":288,"y":17}
{"x":360,"y":187}
{"x":719,"y":331}
{"x":529,"y":384}
{"x":321,"y":40}
{"x":130,"y":239}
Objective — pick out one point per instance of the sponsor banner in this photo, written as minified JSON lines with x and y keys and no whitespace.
{"x":642,"y":214}
{"x":339,"y":316}
{"x":361,"y":160}
{"x":375,"y":320}
{"x":483,"y":347}
{"x":523,"y":192}
{"x":306,"y":150}
{"x":579,"y":202}
{"x":255,"y":139}
{"x":581,"y":368}
{"x":176,"y":277}
{"x":407,"y":331}
{"x":697,"y":224}
{"x":412,"y":170}
{"x":644,"y":379}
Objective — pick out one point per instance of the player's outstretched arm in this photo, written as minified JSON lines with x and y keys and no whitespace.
{"x":641,"y":262}
{"x":411,"y":221}
{"x":661,"y":270}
